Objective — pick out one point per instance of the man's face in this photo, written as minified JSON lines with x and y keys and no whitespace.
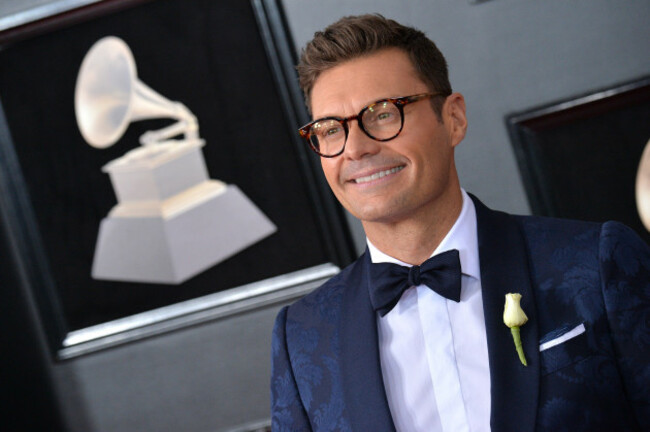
{"x":417,"y":172}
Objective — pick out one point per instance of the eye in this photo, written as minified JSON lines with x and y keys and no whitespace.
{"x":384,"y":115}
{"x":332,"y":131}
{"x":380,"y":114}
{"x":328,"y":129}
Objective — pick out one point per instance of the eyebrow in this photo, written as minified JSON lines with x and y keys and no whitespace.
{"x":314,"y":118}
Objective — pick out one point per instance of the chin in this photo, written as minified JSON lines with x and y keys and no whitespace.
{"x":382,"y":214}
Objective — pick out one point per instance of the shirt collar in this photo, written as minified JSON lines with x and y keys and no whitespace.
{"x":461,"y":236}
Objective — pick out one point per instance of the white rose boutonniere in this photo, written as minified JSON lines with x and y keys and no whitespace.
{"x":514,"y":317}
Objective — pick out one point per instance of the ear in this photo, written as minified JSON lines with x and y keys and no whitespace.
{"x":454,"y":116}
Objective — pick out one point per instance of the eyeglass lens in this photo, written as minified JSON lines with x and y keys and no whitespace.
{"x":380,"y":121}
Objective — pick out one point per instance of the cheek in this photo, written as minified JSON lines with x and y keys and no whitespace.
{"x":430,"y":160}
{"x":331,"y":171}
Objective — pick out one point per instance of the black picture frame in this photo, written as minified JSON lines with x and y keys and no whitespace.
{"x":253,"y":67}
{"x":578,"y":157}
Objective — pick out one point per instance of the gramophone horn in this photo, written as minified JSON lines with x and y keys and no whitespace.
{"x":109,"y":96}
{"x":643,"y":187}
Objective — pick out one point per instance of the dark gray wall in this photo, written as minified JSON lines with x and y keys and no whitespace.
{"x":504,"y":56}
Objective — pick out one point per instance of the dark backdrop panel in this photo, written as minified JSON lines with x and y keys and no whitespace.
{"x":25,"y":386}
{"x":207,"y":54}
{"x":579,"y":158}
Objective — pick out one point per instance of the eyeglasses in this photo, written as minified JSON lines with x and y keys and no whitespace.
{"x":382,"y":121}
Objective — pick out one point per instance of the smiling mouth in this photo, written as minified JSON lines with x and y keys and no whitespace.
{"x":378,"y":175}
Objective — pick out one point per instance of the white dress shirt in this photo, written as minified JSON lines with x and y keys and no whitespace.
{"x":433,"y":351}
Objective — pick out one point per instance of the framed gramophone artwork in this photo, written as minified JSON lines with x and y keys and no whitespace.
{"x":150,"y":168}
{"x":581,"y":157}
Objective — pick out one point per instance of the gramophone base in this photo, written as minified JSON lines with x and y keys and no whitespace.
{"x":172,"y":249}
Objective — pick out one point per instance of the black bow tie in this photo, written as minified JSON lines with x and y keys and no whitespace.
{"x":388,"y":281}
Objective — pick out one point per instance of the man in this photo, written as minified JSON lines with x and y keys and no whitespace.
{"x":398,"y":341}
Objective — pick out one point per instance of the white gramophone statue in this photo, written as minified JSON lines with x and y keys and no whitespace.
{"x":171,"y":221}
{"x":642,"y":189}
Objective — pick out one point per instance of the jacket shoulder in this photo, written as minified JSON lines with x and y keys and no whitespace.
{"x":549,"y":236}
{"x":603,"y":240}
{"x":324,"y":302}
{"x":549,"y":226}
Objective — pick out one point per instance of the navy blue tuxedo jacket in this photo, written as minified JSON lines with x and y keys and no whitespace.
{"x":326,"y":374}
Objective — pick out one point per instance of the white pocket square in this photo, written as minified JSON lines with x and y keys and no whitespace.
{"x":561,"y":339}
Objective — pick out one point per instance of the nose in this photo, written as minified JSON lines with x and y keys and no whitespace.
{"x":359,"y":144}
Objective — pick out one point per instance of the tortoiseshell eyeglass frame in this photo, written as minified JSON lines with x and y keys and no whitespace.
{"x":399,"y":102}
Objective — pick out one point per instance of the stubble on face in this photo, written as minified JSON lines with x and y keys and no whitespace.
{"x":408,"y":180}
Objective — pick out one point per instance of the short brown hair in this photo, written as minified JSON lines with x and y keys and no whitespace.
{"x":356,"y":36}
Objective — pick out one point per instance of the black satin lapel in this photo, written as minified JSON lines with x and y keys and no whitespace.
{"x":363,"y":387}
{"x":504,"y":269}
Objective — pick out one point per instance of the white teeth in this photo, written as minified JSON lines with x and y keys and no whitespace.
{"x":377,"y":175}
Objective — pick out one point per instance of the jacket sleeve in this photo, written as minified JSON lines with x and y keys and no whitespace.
{"x":625,"y":272}
{"x":287,"y":412}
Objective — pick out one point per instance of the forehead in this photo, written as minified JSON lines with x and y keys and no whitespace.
{"x":348,"y":87}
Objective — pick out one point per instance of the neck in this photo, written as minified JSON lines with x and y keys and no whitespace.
{"x":414,"y":239}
